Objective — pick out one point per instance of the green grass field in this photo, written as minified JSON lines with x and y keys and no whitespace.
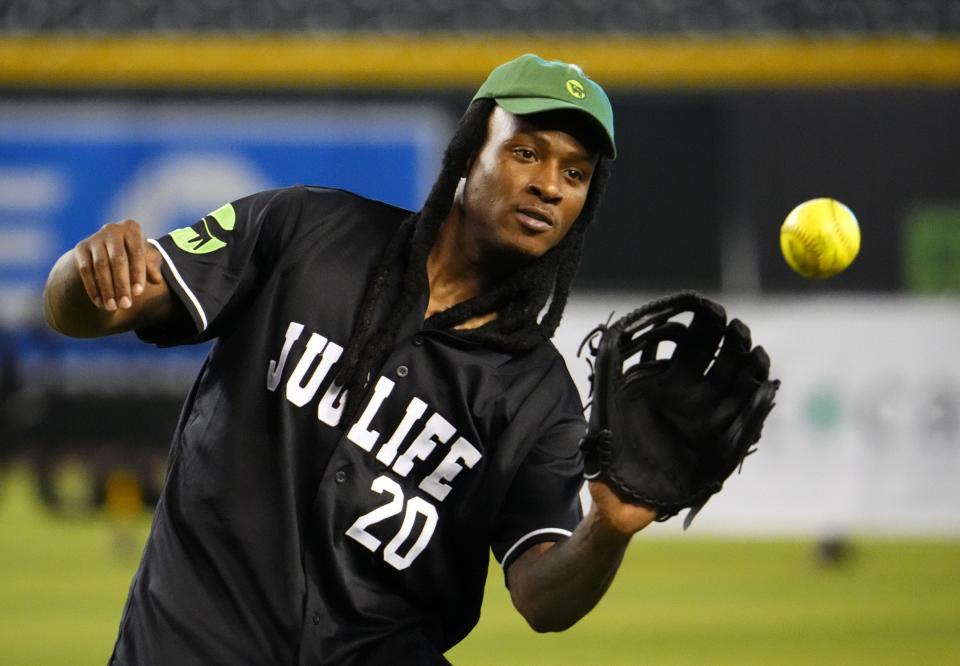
{"x":676,"y":601}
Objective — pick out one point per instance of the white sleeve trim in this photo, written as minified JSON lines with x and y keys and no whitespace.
{"x":530,"y":535}
{"x":183,"y":285}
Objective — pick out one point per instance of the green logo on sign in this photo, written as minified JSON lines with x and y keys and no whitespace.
{"x":200,"y":238}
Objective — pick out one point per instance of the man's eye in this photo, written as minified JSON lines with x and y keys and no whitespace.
{"x":574,"y":174}
{"x":524,"y":153}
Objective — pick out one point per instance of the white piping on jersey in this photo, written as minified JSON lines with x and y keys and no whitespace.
{"x":183,"y":285}
{"x":530,"y":535}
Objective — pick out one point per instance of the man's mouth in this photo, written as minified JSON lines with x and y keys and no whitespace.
{"x":535,"y":219}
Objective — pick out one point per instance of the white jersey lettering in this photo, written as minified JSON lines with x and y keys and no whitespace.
{"x":358,"y":530}
{"x":312,"y":368}
{"x":330,"y":408}
{"x":388,"y":451}
{"x":275,"y":368}
{"x":360,"y":433}
{"x":299,"y":393}
{"x":415,"y":506}
{"x":437,"y":430}
{"x":449,"y":467}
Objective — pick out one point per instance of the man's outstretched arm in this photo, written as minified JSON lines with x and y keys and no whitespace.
{"x":109,"y":283}
{"x":553,"y":585}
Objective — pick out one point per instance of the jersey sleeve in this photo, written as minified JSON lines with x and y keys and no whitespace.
{"x":543,"y":500}
{"x":217,"y":263}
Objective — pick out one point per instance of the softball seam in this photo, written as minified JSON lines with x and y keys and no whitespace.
{"x":838,"y":229}
{"x":809,"y":243}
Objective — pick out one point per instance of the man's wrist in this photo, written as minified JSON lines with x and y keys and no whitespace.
{"x":616,"y":517}
{"x":605,"y":530}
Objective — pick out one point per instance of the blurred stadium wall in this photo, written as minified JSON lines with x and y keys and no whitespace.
{"x":729,"y":113}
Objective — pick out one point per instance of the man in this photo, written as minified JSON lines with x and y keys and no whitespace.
{"x":382,"y":404}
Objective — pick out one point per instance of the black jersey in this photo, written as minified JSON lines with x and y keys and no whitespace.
{"x":284,"y":536}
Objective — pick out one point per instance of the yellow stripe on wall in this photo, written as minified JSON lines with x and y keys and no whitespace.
{"x":374,"y":61}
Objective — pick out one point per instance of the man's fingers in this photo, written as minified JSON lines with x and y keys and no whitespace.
{"x":113,"y":265}
{"x":84,"y":260}
{"x":120,"y":270}
{"x":136,"y":251}
{"x":103,"y":275}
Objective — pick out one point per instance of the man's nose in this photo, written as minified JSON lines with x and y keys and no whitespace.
{"x":546,"y":187}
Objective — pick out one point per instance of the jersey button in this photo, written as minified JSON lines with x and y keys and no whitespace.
{"x":417,"y":340}
{"x":340,"y":476}
{"x":316,"y":618}
{"x":402,"y":371}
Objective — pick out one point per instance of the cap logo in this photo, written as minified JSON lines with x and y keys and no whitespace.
{"x":576,"y":89}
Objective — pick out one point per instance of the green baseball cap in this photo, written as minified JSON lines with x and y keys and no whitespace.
{"x":530,"y":84}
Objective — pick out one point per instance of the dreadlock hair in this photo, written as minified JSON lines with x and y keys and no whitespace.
{"x":517,"y":300}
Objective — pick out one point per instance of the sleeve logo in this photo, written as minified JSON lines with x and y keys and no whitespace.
{"x":206,"y":235}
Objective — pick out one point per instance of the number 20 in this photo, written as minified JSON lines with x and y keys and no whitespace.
{"x":415,"y":505}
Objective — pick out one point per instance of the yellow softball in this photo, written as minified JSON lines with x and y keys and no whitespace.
{"x":820,"y":238}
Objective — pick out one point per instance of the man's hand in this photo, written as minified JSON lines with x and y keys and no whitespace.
{"x":113,"y":265}
{"x":622,"y":517}
{"x":109,"y":283}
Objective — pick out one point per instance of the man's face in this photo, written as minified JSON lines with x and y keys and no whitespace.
{"x":526,"y":186}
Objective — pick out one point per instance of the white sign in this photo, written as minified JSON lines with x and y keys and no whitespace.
{"x":865,"y":437}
